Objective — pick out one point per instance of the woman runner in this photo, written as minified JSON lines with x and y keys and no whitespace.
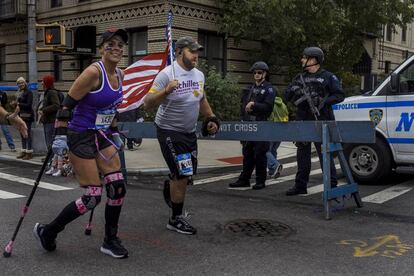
{"x":91,"y":134}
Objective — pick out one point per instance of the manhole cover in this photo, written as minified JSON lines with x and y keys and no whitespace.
{"x":258,"y":228}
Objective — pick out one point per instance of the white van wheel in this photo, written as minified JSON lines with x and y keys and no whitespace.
{"x":369,"y":162}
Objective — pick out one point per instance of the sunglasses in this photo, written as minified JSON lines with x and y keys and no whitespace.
{"x":258,"y":73}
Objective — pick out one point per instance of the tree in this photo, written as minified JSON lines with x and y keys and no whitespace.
{"x":286,"y":27}
{"x":223,"y":93}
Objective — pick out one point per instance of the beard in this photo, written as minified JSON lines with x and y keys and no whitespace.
{"x":188,"y":63}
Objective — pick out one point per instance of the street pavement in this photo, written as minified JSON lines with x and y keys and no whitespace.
{"x":147,"y":159}
{"x":240,"y":231}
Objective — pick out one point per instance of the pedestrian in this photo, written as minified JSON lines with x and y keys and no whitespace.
{"x":325,"y":90}
{"x":256,"y":105}
{"x":56,"y":165}
{"x":179,"y":91}
{"x":7,"y":118}
{"x":280,"y":113}
{"x":4,"y":127}
{"x":86,"y":125}
{"x":50,"y":106}
{"x":25,"y":110}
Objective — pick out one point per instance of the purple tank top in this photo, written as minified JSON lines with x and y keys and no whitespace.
{"x":96,"y":102}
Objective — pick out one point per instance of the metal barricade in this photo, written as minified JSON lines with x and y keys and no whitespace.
{"x":332,"y":134}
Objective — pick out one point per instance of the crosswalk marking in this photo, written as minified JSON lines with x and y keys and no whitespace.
{"x":319,"y":188}
{"x":216,"y":178}
{"x":7,"y":195}
{"x":281,"y":179}
{"x":28,"y":181}
{"x":234,"y":175}
{"x":387,"y":194}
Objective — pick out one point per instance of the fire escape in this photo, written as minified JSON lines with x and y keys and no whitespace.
{"x":381,"y":65}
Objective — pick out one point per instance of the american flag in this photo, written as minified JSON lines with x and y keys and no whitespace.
{"x":138,"y":79}
{"x":168,"y":34}
{"x":139,"y":76}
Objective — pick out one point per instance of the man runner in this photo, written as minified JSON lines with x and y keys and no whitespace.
{"x":178,"y":90}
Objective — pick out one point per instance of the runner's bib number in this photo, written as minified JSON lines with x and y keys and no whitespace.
{"x":185,"y":165}
{"x":104,"y":118}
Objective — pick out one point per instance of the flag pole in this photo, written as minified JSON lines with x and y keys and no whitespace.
{"x":169,"y":40}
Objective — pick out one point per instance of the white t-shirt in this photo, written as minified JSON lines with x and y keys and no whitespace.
{"x":181,"y":108}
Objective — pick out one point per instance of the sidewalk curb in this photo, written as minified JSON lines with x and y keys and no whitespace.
{"x":132,"y":171}
{"x":160,"y":171}
{"x":166,"y":171}
{"x":4,"y":157}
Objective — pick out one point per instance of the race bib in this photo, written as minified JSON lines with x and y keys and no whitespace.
{"x":104,"y":118}
{"x":185,"y":165}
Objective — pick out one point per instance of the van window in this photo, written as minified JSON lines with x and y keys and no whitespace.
{"x":407,"y":80}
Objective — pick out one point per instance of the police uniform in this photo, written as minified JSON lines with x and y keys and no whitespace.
{"x":325,"y":90}
{"x":254,"y":152}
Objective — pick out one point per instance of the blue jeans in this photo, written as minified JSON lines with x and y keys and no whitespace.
{"x":27,"y":142}
{"x":48,"y":130}
{"x":271,"y":154}
{"x":8,"y":136}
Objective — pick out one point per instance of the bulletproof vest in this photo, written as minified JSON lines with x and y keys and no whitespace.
{"x":317,"y":85}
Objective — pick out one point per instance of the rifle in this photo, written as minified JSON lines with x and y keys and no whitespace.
{"x":307,"y":97}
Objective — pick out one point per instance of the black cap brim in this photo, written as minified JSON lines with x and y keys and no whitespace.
{"x":195,"y":47}
{"x":121,"y":32}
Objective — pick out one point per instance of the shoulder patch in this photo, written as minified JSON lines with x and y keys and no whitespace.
{"x":335,"y":78}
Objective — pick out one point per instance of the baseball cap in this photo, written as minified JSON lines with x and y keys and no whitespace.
{"x":188,"y":42}
{"x":108,"y":34}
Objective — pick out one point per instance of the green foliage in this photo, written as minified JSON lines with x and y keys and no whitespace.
{"x":350,"y":83}
{"x":286,"y":27}
{"x":149,"y":114}
{"x":223,"y":94}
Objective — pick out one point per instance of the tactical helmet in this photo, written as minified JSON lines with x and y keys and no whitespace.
{"x":315,"y":52}
{"x":260,"y":65}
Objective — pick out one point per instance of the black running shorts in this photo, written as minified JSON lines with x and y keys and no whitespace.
{"x":82,"y":144}
{"x":173,"y":146}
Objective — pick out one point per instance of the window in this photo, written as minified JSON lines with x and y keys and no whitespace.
{"x":404,"y":34}
{"x":2,"y":62}
{"x":213,"y":51}
{"x":56,"y":3}
{"x":387,"y":67}
{"x":138,"y":44}
{"x":57,"y":67}
{"x":407,"y":80}
{"x":388,"y":33}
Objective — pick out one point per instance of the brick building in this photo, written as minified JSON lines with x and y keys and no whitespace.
{"x":145,"y":21}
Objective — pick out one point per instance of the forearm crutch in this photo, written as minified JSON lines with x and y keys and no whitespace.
{"x":9,"y":247}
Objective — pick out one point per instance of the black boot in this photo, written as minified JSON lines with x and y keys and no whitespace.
{"x":258,"y":186}
{"x":296,"y":191}
{"x":240,"y":183}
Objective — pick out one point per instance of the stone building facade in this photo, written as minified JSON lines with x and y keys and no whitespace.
{"x":145,"y":21}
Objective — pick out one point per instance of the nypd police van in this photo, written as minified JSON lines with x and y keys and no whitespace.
{"x":391,"y":108}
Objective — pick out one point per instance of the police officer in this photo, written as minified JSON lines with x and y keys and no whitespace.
{"x":324,"y":90}
{"x":256,"y":105}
